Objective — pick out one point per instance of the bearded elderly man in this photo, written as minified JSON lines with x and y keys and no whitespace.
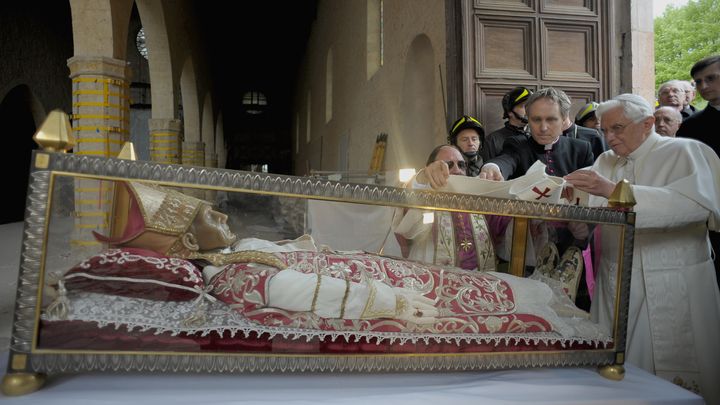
{"x":674,"y":315}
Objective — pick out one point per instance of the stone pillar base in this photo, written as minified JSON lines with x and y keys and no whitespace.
{"x":165,"y":135}
{"x":211,"y":159}
{"x":193,"y":153}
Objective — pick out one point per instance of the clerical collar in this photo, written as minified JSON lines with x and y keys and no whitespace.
{"x":571,"y":131}
{"x":550,"y":145}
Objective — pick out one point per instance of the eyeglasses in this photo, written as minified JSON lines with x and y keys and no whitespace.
{"x":671,"y":90}
{"x":461,"y":164}
{"x":616,"y":129}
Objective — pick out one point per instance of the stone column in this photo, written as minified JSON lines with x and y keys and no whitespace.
{"x":634,"y":49}
{"x":193,"y":153}
{"x":211,"y":159}
{"x":100,"y":122}
{"x":165,"y":138}
{"x":222,"y":157}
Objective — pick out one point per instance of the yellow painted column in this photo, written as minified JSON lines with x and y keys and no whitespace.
{"x":211,"y":159}
{"x":100,"y":122}
{"x":193,"y":153}
{"x":165,"y":140}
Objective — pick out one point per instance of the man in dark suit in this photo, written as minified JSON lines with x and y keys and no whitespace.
{"x":468,"y":134}
{"x":547,"y":110}
{"x":587,"y":127}
{"x":513,"y":104}
{"x":590,"y":135}
{"x":704,"y":125}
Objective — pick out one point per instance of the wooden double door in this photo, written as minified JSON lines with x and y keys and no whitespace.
{"x":533,"y":43}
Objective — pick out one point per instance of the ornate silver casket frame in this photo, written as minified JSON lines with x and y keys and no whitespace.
{"x":28,"y":362}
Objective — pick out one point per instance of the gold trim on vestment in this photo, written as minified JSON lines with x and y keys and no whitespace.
{"x":316,"y":293}
{"x":244,"y":256}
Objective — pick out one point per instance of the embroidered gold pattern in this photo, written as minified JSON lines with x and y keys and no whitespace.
{"x":345,"y":296}
{"x":370,"y":311}
{"x":316,"y":293}
{"x":484,"y":249}
{"x":467,"y":302}
{"x":401,"y":304}
{"x":244,"y":256}
{"x":466,"y":245}
{"x":165,"y":210}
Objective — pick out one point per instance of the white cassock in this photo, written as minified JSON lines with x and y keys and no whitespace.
{"x":674,"y":314}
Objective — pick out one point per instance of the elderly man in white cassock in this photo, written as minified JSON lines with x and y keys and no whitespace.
{"x":674,"y":314}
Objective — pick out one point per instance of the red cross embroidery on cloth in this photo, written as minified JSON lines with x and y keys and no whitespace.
{"x":541,"y":194}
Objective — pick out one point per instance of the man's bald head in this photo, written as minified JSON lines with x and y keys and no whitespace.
{"x":667,"y":121}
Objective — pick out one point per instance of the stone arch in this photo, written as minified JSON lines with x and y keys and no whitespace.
{"x":329,"y":86}
{"x":220,"y":148}
{"x":373,"y":53}
{"x":417,"y":106}
{"x":191,"y":106}
{"x":193,"y":149}
{"x":161,"y":69}
{"x":165,"y":125}
{"x":21,"y":114}
{"x":208,"y":131}
{"x":100,"y":27}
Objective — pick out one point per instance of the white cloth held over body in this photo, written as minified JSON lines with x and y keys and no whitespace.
{"x":535,"y":185}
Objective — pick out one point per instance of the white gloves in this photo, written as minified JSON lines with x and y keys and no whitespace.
{"x":414,"y":307}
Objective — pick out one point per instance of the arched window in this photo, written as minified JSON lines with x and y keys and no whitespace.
{"x":140,"y":43}
{"x":254,"y":102}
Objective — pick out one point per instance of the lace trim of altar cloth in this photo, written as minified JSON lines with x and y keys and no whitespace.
{"x":163,"y":316}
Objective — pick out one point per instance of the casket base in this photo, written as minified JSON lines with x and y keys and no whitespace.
{"x":15,"y":384}
{"x":615,"y":372}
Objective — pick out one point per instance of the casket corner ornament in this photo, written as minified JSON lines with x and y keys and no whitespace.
{"x":223,"y":323}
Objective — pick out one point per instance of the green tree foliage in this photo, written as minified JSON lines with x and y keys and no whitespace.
{"x":684,"y":35}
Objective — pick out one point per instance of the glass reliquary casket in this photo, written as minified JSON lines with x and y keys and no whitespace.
{"x":185,"y":272}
